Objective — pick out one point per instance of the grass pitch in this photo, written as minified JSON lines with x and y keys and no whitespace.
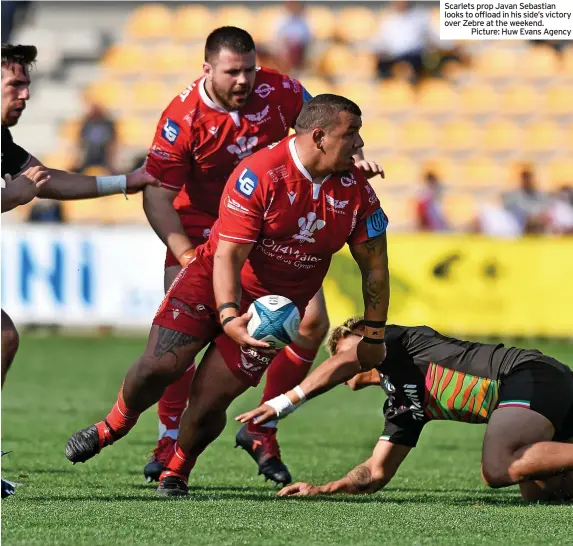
{"x":59,"y":385}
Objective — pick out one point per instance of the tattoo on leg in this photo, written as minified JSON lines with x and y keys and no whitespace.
{"x":169,"y":340}
{"x":360,"y":477}
{"x":373,"y":246}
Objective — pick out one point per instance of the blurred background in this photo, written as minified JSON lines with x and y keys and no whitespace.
{"x":476,"y":138}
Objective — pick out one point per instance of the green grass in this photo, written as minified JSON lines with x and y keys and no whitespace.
{"x":59,"y":385}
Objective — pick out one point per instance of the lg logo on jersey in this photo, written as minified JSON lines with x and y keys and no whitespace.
{"x":244,"y":146}
{"x":247,"y":183}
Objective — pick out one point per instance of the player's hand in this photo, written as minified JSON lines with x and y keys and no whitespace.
{"x":27,"y":185}
{"x":299,"y":489}
{"x":369,"y":168}
{"x":261,"y":415}
{"x":139,"y":179}
{"x":186,"y":257}
{"x":370,"y":355}
{"x":364,"y":379}
{"x":236,"y":329}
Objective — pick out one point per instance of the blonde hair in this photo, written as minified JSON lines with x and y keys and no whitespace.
{"x":349,"y":327}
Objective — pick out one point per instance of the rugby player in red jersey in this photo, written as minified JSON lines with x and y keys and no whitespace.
{"x":284,"y":212}
{"x":525,"y":397}
{"x":231,"y":112}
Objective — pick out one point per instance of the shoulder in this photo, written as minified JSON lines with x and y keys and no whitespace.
{"x":186,"y":103}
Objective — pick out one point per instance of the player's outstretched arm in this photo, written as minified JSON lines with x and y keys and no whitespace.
{"x":65,"y":186}
{"x":372,"y":259}
{"x":22,"y":189}
{"x":163,"y":218}
{"x":369,"y":477}
{"x":335,"y":370}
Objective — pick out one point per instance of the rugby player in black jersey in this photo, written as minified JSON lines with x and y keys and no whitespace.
{"x":525,"y":397}
{"x":25,"y":177}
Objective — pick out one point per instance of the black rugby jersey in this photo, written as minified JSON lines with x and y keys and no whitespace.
{"x":14,"y":157}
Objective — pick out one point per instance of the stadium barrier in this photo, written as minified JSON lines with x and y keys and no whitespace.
{"x":106,"y":276}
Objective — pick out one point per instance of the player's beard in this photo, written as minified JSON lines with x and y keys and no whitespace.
{"x":227,"y":98}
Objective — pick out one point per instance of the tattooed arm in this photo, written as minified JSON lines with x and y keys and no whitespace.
{"x":372,"y":259}
{"x":368,"y":477}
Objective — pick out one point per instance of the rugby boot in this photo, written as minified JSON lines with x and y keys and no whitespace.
{"x":159,"y":458}
{"x":264,"y":449}
{"x":172,"y":484}
{"x":88,"y":442}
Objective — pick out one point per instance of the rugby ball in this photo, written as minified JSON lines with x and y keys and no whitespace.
{"x":275,"y":320}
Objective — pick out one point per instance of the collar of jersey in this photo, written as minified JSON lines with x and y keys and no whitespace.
{"x":299,"y":164}
{"x":205,"y":98}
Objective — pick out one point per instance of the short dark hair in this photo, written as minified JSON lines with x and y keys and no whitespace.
{"x":235,"y":39}
{"x":24,"y":55}
{"x":349,"y":327}
{"x":322,"y":111}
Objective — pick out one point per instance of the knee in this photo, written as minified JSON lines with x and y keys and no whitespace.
{"x":10,"y":342}
{"x":314,"y":329}
{"x":166,"y":369}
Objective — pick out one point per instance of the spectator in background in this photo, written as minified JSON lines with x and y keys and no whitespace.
{"x":293,"y":37}
{"x":560,"y":213}
{"x":46,"y":210}
{"x":528,"y":205}
{"x":97,"y":140}
{"x":429,"y":212}
{"x":403,"y":37}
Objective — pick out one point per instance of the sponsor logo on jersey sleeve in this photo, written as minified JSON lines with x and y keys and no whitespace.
{"x":247,"y":182}
{"x":376,"y":223}
{"x":170,"y":131}
{"x":160,"y":153}
{"x":234,"y":206}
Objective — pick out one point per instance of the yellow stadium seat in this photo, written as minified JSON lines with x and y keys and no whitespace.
{"x":447,"y":170}
{"x":379,"y":135}
{"x":267,"y":19}
{"x":499,"y":64}
{"x":559,"y":100}
{"x":322,"y":21}
{"x":135,"y":132}
{"x":110,"y":94}
{"x":544,"y":137}
{"x":400,"y":171}
{"x":395,"y":97}
{"x":521,"y":100}
{"x":479,"y":99}
{"x":172,"y":59}
{"x":366,"y":95}
{"x":484,"y":172}
{"x":235,"y":15}
{"x":560,"y":172}
{"x":62,"y":159}
{"x":125,"y":59}
{"x":567,"y":63}
{"x":85,"y":211}
{"x":120,"y":210}
{"x":96,"y":170}
{"x":318,"y":86}
{"x":417,"y":135}
{"x":542,"y":63}
{"x":437,"y":97}
{"x":194,"y":22}
{"x":502,"y":137}
{"x":150,"y":95}
{"x":459,"y":136}
{"x":70,"y":130}
{"x":356,"y":23}
{"x":341,"y":61}
{"x":149,"y":21}
{"x":459,"y":209}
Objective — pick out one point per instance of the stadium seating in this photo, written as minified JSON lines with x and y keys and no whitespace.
{"x":512,"y":102}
